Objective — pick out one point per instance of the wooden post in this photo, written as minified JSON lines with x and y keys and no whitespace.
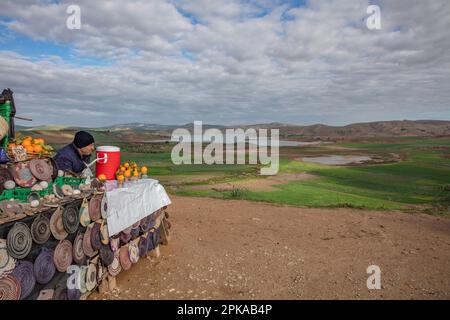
{"x":155,"y":252}
{"x":165,"y":236}
{"x":111,"y":283}
{"x":104,"y":286}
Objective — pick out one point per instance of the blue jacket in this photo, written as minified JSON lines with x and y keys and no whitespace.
{"x":69,"y":159}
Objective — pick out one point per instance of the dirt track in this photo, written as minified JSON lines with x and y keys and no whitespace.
{"x":266,"y":184}
{"x":245,"y":250}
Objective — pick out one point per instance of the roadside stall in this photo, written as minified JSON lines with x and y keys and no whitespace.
{"x":61,"y":236}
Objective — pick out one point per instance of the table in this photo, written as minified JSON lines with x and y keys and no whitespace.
{"x":134,"y":202}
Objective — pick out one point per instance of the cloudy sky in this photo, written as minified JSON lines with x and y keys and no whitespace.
{"x":226,"y":61}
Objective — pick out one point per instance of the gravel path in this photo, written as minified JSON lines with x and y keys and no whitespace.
{"x":233,"y":249}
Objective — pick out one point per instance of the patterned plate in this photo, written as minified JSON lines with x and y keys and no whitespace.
{"x":9,"y":288}
{"x":57,"y":226}
{"x":95,"y":208}
{"x":7,"y":263}
{"x":22,"y":175}
{"x":41,"y":169}
{"x":104,"y":207}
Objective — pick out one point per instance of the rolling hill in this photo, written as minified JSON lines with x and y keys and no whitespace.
{"x":146,"y":132}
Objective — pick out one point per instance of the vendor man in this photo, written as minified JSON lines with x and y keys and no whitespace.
{"x":75,"y":156}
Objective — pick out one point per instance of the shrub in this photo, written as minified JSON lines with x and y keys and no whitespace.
{"x":238,"y":192}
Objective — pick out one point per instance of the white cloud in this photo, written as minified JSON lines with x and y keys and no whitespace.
{"x":319,"y":65}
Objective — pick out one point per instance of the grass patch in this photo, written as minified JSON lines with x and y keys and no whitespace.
{"x":238,"y":193}
{"x":421,"y":180}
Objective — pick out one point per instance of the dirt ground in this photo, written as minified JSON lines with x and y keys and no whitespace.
{"x":261,"y":184}
{"x":233,"y":249}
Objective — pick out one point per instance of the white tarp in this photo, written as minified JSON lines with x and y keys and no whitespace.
{"x":128,"y":205}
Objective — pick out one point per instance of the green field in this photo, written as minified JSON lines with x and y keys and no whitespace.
{"x":419,"y":182}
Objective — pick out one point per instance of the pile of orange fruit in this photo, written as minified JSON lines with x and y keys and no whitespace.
{"x":129,"y":170}
{"x":32,"y":145}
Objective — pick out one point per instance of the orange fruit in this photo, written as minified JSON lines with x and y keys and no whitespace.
{"x":128,"y":173}
{"x":136,"y":173}
{"x":37,"y":148}
{"x":102,"y":177}
{"x":144,"y":169}
{"x":126,"y":165}
{"x":29,"y":149}
{"x":120,"y":177}
{"x":26,"y":143}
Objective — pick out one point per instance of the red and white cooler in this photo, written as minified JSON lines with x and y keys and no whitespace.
{"x":108,"y":161}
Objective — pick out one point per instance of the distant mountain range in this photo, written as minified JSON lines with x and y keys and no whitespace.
{"x":139,"y":126}
{"x":405,"y":128}
{"x":317,"y":131}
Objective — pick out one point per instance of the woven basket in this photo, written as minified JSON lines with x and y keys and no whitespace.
{"x":30,"y":156}
{"x":4,"y":128}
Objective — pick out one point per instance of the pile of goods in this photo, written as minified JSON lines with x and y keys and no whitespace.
{"x":28,"y":186}
{"x":129,"y":171}
{"x":54,"y":237}
{"x":32,"y":147}
{"x":65,"y":252}
{"x":55,"y":240}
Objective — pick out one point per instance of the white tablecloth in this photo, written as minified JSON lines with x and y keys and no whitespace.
{"x":137,"y":200}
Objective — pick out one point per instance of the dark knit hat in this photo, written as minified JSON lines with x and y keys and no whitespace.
{"x":83,"y":139}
